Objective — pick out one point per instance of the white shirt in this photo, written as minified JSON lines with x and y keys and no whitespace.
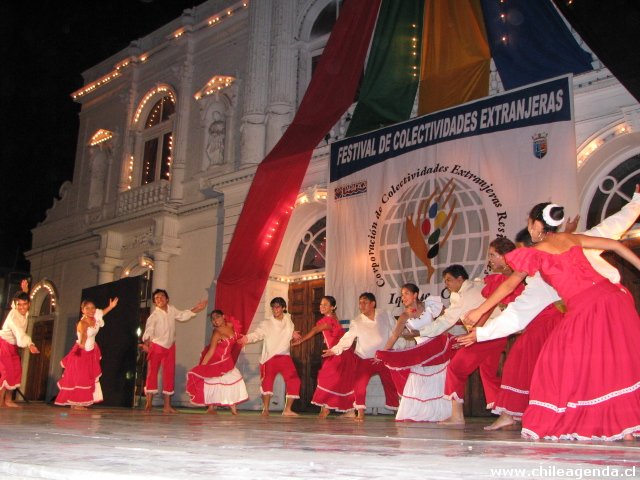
{"x":161,"y":325}
{"x":432,"y":308}
{"x":371,"y":335}
{"x":90,"y":342}
{"x":538,"y":294}
{"x":467,"y":298}
{"x":14,"y":330}
{"x":277,"y":335}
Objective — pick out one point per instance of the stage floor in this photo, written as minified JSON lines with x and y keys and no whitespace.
{"x":42,"y":441}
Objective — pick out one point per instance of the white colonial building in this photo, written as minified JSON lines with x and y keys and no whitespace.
{"x":171,"y":132}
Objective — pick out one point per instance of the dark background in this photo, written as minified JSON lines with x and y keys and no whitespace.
{"x":44,"y":50}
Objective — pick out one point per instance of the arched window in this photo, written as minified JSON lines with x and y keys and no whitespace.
{"x":321,"y":29}
{"x":312,"y":249}
{"x":158,"y":141}
{"x":614,"y":191}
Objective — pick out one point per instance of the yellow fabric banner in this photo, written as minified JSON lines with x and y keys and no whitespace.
{"x":455,"y":55}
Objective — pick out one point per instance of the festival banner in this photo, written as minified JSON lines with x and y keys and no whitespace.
{"x":409,"y":200}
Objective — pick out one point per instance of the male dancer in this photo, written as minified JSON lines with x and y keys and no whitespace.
{"x":277,"y":332}
{"x":371,"y":330}
{"x":12,"y":336}
{"x":159,"y":342}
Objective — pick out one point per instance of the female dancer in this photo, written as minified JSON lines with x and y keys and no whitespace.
{"x":335,"y":378}
{"x":216,"y":382}
{"x":586,"y":382}
{"x":484,"y":356}
{"x":419,"y":372}
{"x":513,"y":397}
{"x":80,"y":382}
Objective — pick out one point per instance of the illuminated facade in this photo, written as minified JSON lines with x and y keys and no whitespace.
{"x":171,"y":131}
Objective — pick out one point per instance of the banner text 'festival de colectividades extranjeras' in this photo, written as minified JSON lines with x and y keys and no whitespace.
{"x":408,"y":200}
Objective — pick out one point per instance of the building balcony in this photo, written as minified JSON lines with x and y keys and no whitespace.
{"x":141,"y":198}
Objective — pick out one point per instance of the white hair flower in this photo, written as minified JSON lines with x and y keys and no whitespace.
{"x":546,"y":216}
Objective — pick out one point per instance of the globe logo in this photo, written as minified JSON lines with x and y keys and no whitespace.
{"x":433,"y":224}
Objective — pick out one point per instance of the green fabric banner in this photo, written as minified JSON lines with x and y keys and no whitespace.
{"x":390,"y":83}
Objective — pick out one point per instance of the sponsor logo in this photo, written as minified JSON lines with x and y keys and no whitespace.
{"x":350,"y":190}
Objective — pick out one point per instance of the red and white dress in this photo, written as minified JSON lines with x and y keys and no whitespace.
{"x":337,"y":373}
{"x":218,"y":382}
{"x":80,"y":382}
{"x":419,"y":372}
{"x":586,"y":382}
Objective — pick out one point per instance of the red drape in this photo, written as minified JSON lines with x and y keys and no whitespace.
{"x":272,"y":195}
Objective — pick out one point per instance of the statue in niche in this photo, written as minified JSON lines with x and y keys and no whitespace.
{"x":97,"y":177}
{"x":215,"y":143}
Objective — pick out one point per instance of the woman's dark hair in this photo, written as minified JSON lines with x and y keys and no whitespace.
{"x":412,"y":287}
{"x":86,"y":302}
{"x":331,"y":300}
{"x":217,"y":312}
{"x":524,"y":237}
{"x":278,"y":301}
{"x":502,"y":245}
{"x":556,"y":213}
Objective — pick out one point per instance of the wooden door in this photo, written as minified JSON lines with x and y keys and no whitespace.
{"x":304,"y":303}
{"x":38,"y":371}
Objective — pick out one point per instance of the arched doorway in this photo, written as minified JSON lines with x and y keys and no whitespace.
{"x":305,"y":293}
{"x":43,"y":314}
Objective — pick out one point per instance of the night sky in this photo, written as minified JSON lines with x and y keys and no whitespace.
{"x":45,"y":49}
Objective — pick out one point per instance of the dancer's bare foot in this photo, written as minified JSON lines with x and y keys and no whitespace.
{"x":78,"y":407}
{"x":360,"y":415}
{"x":628,"y":437}
{"x":289,"y":413}
{"x":11,"y":404}
{"x":212,"y":410}
{"x":169,"y":410}
{"x":349,"y":414}
{"x":148,"y":403}
{"x":234,"y":410}
{"x":324,"y":412}
{"x":504,"y":420}
{"x":265,"y":412}
{"x":452,"y":421}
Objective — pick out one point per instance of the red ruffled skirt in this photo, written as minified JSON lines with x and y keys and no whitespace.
{"x":219,"y":384}
{"x":10,"y":367}
{"x":335,"y":382}
{"x":513,"y":397}
{"x":586,"y":383}
{"x":80,"y":382}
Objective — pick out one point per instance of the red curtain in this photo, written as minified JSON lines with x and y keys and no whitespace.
{"x":275,"y":187}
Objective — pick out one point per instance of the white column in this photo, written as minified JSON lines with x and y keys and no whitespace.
{"x":181,"y":133}
{"x":255,"y":93}
{"x":282,"y":78}
{"x":160,"y":270}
